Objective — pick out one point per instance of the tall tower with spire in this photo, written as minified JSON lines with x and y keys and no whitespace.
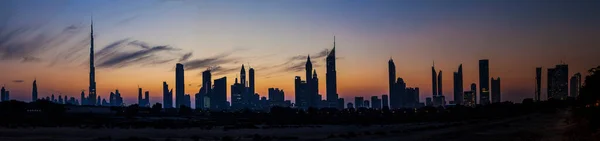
{"x":309,"y":84}
{"x":331,"y":79}
{"x":92,"y":88}
{"x":243,"y":76}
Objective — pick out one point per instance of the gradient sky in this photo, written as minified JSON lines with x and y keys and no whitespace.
{"x":138,"y":43}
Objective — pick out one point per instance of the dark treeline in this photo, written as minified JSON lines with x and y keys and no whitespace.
{"x":47,"y":114}
{"x":587,"y":108}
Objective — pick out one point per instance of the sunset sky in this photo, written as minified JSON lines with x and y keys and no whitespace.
{"x":138,"y":43}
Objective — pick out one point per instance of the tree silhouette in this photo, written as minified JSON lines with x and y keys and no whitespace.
{"x":156,"y":108}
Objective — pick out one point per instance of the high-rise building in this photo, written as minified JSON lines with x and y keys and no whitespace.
{"x":484,"y":81}
{"x":92,"y":88}
{"x":111,"y":99}
{"x":311,"y":94}
{"x":83,"y":99}
{"x":186,"y":101}
{"x":458,"y":86}
{"x":350,"y":105}
{"x":376,"y":102}
{"x":474,"y":90}
{"x":341,"y":102}
{"x":384,"y":101}
{"x":316,"y":99}
{"x":400,"y":100}
{"x":558,"y":79}
{"x":205,"y":90}
{"x":434,"y":81}
{"x":218,"y":99}
{"x":359,"y":102}
{"x":34,"y":92}
{"x":575,"y":85}
{"x":251,"y":87}
{"x":469,"y":98}
{"x":243,"y":76}
{"x":179,"y":85}
{"x":276,"y":97}
{"x":167,"y":96}
{"x":428,"y":101}
{"x":331,"y":80}
{"x":237,"y":91}
{"x":538,"y":83}
{"x":147,"y":99}
{"x":392,"y":83}
{"x":367,"y":104}
{"x":301,"y":93}
{"x":496,"y":95}
{"x":140,"y":98}
{"x":2,"y":94}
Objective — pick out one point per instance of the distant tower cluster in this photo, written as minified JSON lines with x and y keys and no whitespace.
{"x":143,"y":100}
{"x":438,"y":98}
{"x":400,"y":95}
{"x":243,"y":96}
{"x":307,"y":92}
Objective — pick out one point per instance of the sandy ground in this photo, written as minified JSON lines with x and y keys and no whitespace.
{"x":535,"y":127}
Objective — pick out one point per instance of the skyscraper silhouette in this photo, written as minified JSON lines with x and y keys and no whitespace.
{"x":331,"y":80}
{"x":243,"y":76}
{"x":474,"y":89}
{"x":538,"y":83}
{"x":375,"y":102}
{"x":434,"y":80}
{"x":316,"y":99}
{"x":484,"y":81}
{"x":237,"y":95}
{"x":179,"y":85}
{"x":218,"y":99}
{"x":83,"y":99}
{"x":147,"y":99}
{"x":34,"y":92}
{"x":140,"y":98}
{"x":92,"y":88}
{"x":496,"y":95}
{"x":205,"y":90}
{"x":2,"y":94}
{"x":309,"y":85}
{"x":301,"y":92}
{"x":558,"y":82}
{"x":359,"y":102}
{"x":575,"y":85}
{"x":251,"y":87}
{"x":167,"y":96}
{"x":399,"y":101}
{"x":393,"y":87}
{"x":384,"y":101}
{"x":458,"y":86}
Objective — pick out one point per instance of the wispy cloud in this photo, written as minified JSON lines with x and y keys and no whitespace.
{"x":205,"y":63}
{"x":219,"y":70}
{"x":185,"y":57}
{"x":111,"y":57}
{"x":18,"y":81}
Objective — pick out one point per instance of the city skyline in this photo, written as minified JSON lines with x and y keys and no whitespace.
{"x":368,"y":68}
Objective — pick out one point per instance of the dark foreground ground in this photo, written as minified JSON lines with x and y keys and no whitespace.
{"x":534,"y":127}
